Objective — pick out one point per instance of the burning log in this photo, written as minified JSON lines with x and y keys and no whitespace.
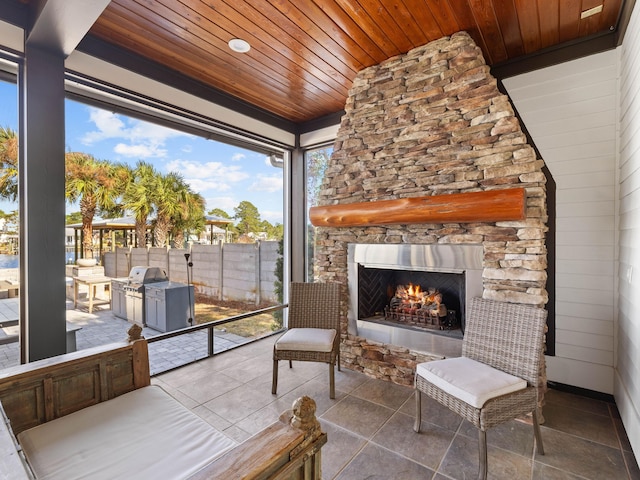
{"x":410,"y":304}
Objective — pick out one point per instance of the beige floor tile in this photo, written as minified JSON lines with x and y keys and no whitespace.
{"x":581,"y":457}
{"x":362,"y":417}
{"x":461,"y":461}
{"x":340,"y":450}
{"x":375,"y":462}
{"x":383,"y":393}
{"x":370,"y":424}
{"x":426,"y":448}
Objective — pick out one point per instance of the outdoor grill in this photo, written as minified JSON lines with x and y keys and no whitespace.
{"x":149,"y":299}
{"x":133,"y":289}
{"x":141,"y":276}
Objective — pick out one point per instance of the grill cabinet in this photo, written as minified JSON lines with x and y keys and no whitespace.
{"x":168,"y":305}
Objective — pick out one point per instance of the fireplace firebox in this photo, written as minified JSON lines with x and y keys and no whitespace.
{"x":449,"y":274}
{"x":411,"y":299}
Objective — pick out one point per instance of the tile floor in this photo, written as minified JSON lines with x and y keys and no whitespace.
{"x":369,"y":424}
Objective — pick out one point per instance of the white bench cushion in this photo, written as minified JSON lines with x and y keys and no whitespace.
{"x":471,"y":381}
{"x":307,"y":339}
{"x":144,"y":434}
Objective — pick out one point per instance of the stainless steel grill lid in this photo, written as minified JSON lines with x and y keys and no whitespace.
{"x":144,"y":275}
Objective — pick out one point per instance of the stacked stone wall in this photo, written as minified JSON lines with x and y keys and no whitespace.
{"x":433,"y":122}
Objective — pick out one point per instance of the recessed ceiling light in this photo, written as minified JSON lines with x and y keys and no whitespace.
{"x":591,"y":11}
{"x":239,"y":45}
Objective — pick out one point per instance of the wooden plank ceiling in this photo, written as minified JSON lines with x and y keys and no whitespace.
{"x":305,"y":53}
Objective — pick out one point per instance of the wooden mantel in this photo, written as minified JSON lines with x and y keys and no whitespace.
{"x":484,"y":206}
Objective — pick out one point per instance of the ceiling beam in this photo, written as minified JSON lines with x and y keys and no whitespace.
{"x":60,"y":25}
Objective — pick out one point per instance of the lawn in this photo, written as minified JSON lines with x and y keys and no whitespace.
{"x":208,"y":309}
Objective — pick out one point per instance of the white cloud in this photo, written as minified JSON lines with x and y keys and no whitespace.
{"x":200,"y":185}
{"x":225,"y":203}
{"x":267,"y":183}
{"x":272,"y":217}
{"x":238,"y":156}
{"x":208,"y":170}
{"x":139,"y":151}
{"x":138,"y":139}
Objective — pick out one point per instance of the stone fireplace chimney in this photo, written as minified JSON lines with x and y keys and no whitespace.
{"x":432,"y":122}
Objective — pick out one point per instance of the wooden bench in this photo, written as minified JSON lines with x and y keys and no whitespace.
{"x":40,"y":398}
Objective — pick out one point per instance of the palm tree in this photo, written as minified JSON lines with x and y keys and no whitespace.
{"x":169,"y":203}
{"x":191,"y":218}
{"x":139,"y":197}
{"x":177,"y":208}
{"x":8,"y":164}
{"x":96,"y":184}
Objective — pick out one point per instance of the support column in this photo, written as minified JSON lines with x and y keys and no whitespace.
{"x":42,"y":206}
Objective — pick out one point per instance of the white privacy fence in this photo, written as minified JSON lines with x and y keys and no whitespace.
{"x":228,"y":271}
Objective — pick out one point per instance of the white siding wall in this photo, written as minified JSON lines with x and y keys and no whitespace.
{"x":627,"y":380}
{"x":570,"y":112}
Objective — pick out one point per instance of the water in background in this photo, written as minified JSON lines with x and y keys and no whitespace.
{"x":13,"y":261}
{"x":9,"y":261}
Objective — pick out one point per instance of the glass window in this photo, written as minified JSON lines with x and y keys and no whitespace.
{"x":316,"y":162}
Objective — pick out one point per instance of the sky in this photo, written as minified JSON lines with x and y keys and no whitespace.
{"x":223,"y":174}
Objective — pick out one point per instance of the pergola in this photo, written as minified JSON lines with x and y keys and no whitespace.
{"x":127,"y":225}
{"x":218,"y":231}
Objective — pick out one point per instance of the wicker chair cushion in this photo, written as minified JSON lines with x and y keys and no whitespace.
{"x":468,"y":380}
{"x":307,"y":339}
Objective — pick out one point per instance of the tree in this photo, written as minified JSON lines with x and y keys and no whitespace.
{"x":95,"y":184}
{"x":190,"y":220}
{"x":218,"y":212}
{"x":248,"y":218}
{"x":177,"y":208}
{"x":274,"y":232}
{"x":8,"y":164}
{"x":317,"y":162}
{"x":75,"y":217}
{"x":138,"y":197}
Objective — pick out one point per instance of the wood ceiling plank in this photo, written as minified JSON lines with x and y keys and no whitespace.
{"x":426,"y":21}
{"x":529,"y":24}
{"x":354,"y":19}
{"x":569,"y":28}
{"x":145,"y":43}
{"x":280,"y":51}
{"x":549,"y":12}
{"x":509,"y":26}
{"x":305,"y":54}
{"x":485,"y":16}
{"x":182,"y":41}
{"x":414,"y":19}
{"x":600,"y":21}
{"x":382,"y":16}
{"x":465,"y":18}
{"x":298,"y":38}
{"x":443,"y":15}
{"x":328,"y":22}
{"x":610,"y":14}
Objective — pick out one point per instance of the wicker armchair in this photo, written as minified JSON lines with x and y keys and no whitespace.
{"x":313,"y":329}
{"x":498,"y":375}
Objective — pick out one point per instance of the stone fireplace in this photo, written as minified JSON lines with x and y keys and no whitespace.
{"x":430,"y":124}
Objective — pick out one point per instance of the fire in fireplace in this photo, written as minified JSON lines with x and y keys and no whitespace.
{"x":413,"y":305}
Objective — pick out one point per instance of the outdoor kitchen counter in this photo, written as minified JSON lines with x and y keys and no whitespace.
{"x":92,"y":282}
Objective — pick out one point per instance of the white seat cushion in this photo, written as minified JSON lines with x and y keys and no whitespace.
{"x":143,"y":434}
{"x":307,"y":339}
{"x":471,"y":381}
